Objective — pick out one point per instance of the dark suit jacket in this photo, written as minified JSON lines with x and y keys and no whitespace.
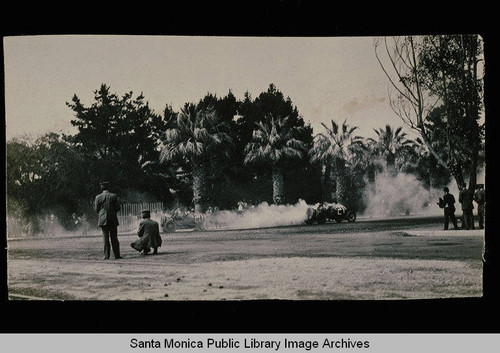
{"x":149,"y":231}
{"x":149,"y":235}
{"x":449,"y":202}
{"x":465,"y":198}
{"x":106,"y":204}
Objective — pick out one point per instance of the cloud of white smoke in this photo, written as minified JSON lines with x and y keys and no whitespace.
{"x":260,"y":216}
{"x":400,"y":194}
{"x":404,"y":194}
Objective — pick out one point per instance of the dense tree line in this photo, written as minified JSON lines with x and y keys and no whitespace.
{"x":221,"y":150}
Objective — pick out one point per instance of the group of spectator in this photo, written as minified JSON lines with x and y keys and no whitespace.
{"x":466,"y":198}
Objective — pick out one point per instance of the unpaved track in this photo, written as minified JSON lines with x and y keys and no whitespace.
{"x":405,"y":258}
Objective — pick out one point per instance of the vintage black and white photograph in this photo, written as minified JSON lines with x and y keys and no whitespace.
{"x":231,"y":168}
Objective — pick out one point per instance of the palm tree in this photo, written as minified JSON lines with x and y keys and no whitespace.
{"x":393,"y":146}
{"x":274,"y":140}
{"x":337,"y":149}
{"x":195,"y":137}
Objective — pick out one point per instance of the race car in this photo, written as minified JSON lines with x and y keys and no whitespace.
{"x":329,"y":212}
{"x":176,"y":220}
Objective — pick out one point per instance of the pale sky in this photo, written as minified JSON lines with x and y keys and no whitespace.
{"x":335,"y":78}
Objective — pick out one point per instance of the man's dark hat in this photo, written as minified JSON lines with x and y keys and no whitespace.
{"x":146,"y":212}
{"x":104,"y":183}
{"x":446,"y":189}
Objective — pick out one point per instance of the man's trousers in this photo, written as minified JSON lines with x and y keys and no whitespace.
{"x":449,"y":215}
{"x":110,"y":238}
{"x":468,"y":219}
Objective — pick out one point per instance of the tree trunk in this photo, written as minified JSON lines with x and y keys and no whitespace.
{"x":456,"y":172}
{"x":433,"y":176}
{"x":474,"y":157}
{"x":278,"y":184}
{"x":453,"y":167}
{"x":198,"y":187}
{"x":472,"y":113}
{"x":329,"y":183}
{"x":391,"y":164}
{"x":341,"y":182}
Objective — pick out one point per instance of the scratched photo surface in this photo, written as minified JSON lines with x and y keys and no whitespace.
{"x":293,"y":168}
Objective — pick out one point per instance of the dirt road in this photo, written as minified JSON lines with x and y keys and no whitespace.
{"x":385,"y":259}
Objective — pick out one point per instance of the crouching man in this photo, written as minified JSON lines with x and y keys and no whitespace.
{"x":149,"y":235}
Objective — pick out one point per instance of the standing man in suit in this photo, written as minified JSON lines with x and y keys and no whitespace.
{"x":106,"y":205}
{"x":465,"y":198}
{"x":479,"y":198}
{"x":448,"y":204}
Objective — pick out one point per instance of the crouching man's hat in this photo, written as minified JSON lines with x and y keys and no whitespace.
{"x":104,"y":184}
{"x":146,"y":213}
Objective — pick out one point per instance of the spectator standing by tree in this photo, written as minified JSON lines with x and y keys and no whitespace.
{"x":465,"y":198}
{"x":479,"y":198}
{"x":448,"y":204}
